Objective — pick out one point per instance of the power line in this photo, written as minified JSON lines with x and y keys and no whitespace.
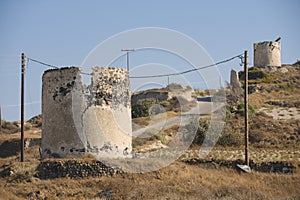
{"x":191,"y":70}
{"x":240,"y":56}
{"x":42,"y":63}
{"x":18,"y":105}
{"x":53,"y":66}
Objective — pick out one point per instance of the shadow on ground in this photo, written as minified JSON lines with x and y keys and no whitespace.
{"x":9,"y":148}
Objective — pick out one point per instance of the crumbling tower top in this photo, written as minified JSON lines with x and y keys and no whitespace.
{"x":267,"y":54}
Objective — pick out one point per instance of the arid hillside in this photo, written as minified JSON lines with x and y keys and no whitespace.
{"x":274,"y":153}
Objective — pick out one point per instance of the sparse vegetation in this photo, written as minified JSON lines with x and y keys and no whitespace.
{"x":201,"y":93}
{"x":142,"y":108}
{"x":241,"y":111}
{"x":271,"y":141}
{"x":233,"y":138}
{"x":287,"y":87}
{"x":12,"y":127}
{"x":9,"y":126}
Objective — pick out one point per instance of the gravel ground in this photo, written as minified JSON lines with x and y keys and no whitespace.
{"x":270,"y":155}
{"x":282,"y":113}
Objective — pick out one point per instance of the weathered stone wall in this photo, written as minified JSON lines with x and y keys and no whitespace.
{"x":95,"y":119}
{"x":159,"y":96}
{"x":107,"y":119}
{"x":59,"y":133}
{"x":267,"y":54}
{"x":184,"y":92}
{"x":235,"y":86}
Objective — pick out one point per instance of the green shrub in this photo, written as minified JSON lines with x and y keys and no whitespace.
{"x":268,"y":78}
{"x":229,"y":111}
{"x":208,"y":132}
{"x":257,"y":75}
{"x":202,"y":128}
{"x":240,"y":110}
{"x":287,"y":87}
{"x":146,"y":107}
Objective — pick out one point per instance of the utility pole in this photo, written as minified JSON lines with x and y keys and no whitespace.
{"x":22,"y":105}
{"x":0,"y":120}
{"x":246,"y":109}
{"x":127,"y":56}
{"x":168,"y":80}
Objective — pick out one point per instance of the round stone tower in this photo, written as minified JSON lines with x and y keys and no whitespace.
{"x":267,"y":54}
{"x":79,"y":119}
{"x":107,"y":118}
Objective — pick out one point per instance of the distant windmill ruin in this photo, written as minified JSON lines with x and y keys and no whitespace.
{"x":267,"y":54}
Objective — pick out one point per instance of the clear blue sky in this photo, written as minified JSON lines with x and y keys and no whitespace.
{"x":63,"y":32}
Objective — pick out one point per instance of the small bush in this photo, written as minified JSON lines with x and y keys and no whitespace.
{"x":162,"y":137}
{"x":229,"y":111}
{"x":200,"y":135}
{"x":146,"y":107}
{"x":240,"y":110}
{"x":11,"y":127}
{"x":287,"y":87}
{"x":231,"y":139}
{"x":268,"y":78}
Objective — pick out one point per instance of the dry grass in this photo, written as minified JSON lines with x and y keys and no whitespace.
{"x":202,"y":93}
{"x":141,"y":122}
{"x":177,"y":181}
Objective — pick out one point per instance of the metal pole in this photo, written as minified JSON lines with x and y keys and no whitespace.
{"x":246,"y":109}
{"x":168,"y":80}
{"x":127,"y":56}
{"x":22,"y":106}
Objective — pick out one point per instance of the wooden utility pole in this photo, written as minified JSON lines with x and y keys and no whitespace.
{"x":22,"y":105}
{"x":0,"y":120}
{"x":246,"y":109}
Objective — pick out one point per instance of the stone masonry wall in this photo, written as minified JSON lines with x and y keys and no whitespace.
{"x":107,"y":119}
{"x":235,"y":86}
{"x":59,"y":133}
{"x":267,"y":54}
{"x":183,"y":92}
{"x":95,"y":119}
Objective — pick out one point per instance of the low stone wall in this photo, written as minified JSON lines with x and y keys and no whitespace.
{"x":267,"y":167}
{"x":74,"y":169}
{"x":81,"y":169}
